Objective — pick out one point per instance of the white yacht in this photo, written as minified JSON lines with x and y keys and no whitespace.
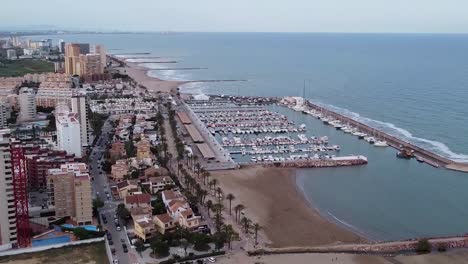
{"x":381,"y":143}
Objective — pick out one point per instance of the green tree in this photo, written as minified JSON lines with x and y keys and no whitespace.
{"x":139,"y":246}
{"x":246,"y":224}
{"x":209,"y":206}
{"x":238,"y":209}
{"x":122,"y":212}
{"x":160,"y":248}
{"x":200,"y":241}
{"x":256,"y":228}
{"x":230,"y":197}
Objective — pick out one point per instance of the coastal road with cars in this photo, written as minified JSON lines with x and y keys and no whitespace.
{"x":118,"y":240}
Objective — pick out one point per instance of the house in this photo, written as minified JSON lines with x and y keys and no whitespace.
{"x":168,"y":196}
{"x":156,"y":171}
{"x":119,"y":170}
{"x":140,"y":212}
{"x":163,"y":222}
{"x":127,"y":187}
{"x":137,"y":200}
{"x":188,"y":219}
{"x":156,"y":184}
{"x":143,"y":149}
{"x":117,"y":151}
{"x":143,"y":228}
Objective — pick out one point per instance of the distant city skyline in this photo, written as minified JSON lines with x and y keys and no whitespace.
{"x":359,"y":16}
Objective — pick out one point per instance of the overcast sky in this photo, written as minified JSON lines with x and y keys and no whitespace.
{"x":446,"y":16}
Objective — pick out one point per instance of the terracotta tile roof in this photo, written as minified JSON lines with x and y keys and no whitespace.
{"x":165,"y":218}
{"x":171,"y":195}
{"x":138,"y":199}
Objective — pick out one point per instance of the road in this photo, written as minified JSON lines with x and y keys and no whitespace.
{"x":100,"y":186}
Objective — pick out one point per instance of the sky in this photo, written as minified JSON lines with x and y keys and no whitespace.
{"x":363,"y":16}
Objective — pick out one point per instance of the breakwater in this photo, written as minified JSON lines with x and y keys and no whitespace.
{"x":421,"y":154}
{"x":320,"y":163}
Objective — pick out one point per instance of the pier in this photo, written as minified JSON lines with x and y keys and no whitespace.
{"x":320,"y":163}
{"x":423,"y":155}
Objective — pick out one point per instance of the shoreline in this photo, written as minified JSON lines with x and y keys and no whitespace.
{"x":272,"y":198}
{"x":335,"y":232}
{"x":330,"y":217}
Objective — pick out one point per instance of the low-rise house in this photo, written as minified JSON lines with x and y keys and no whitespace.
{"x":168,"y":196}
{"x":119,"y":170}
{"x":164,"y":222}
{"x":117,"y":151}
{"x":143,"y":149}
{"x":188,"y":219}
{"x":127,"y":187}
{"x":140,"y":212}
{"x":137,"y":200}
{"x":156,"y":171}
{"x":156,"y":184}
{"x":144,"y":227}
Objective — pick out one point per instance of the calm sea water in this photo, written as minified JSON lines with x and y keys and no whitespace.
{"x":413,"y":86}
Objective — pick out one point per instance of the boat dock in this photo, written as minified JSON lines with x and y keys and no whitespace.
{"x":249,"y":133}
{"x":421,"y":154}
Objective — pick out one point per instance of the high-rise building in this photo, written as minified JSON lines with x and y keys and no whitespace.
{"x":68,"y":132}
{"x":27,"y":104}
{"x":8,"y":230}
{"x":5,"y":112}
{"x":72,"y":59}
{"x":61,"y":45}
{"x":82,"y":60}
{"x":99,"y":49}
{"x":80,"y":106}
{"x":69,"y":189}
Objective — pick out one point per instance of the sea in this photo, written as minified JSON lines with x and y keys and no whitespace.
{"x":414,"y":86}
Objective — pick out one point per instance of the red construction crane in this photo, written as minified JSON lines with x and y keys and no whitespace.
{"x":20,"y":181}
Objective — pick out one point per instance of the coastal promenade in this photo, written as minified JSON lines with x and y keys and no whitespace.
{"x":423,"y":155}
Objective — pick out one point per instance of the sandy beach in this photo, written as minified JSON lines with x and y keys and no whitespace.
{"x":272,"y":199}
{"x":155,"y":85}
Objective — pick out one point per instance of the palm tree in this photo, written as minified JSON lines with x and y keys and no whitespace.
{"x":219,"y":193}
{"x":256,"y":227}
{"x":203,"y":193}
{"x":238,"y":209}
{"x":214,"y":182}
{"x":246,"y":224}
{"x":205,"y":176}
{"x":230,"y":197}
{"x":179,"y":167}
{"x":209,"y":206}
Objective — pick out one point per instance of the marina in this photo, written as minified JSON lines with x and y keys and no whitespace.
{"x":256,"y":135}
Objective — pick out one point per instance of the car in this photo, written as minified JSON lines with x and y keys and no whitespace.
{"x":104,"y":220}
{"x":113,"y":251}
{"x":109,"y":236}
{"x":211,"y":259}
{"x":115,"y":261}
{"x":125,"y":250}
{"x":111,"y":242}
{"x":118,"y":228}
{"x":97,"y":194}
{"x":122,"y":240}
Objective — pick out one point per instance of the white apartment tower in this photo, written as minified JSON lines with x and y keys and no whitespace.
{"x":27,"y":104}
{"x":68,"y":132}
{"x":5,"y":112}
{"x":80,"y":106}
{"x":8,"y":232}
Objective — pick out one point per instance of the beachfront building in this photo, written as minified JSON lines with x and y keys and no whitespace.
{"x":69,"y":189}
{"x":68,"y":132}
{"x":157,"y":184}
{"x":27,"y":104}
{"x":8,"y":232}
{"x":83,"y":61}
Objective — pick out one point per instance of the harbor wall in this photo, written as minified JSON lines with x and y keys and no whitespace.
{"x":316,"y":163}
{"x":427,"y":156}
